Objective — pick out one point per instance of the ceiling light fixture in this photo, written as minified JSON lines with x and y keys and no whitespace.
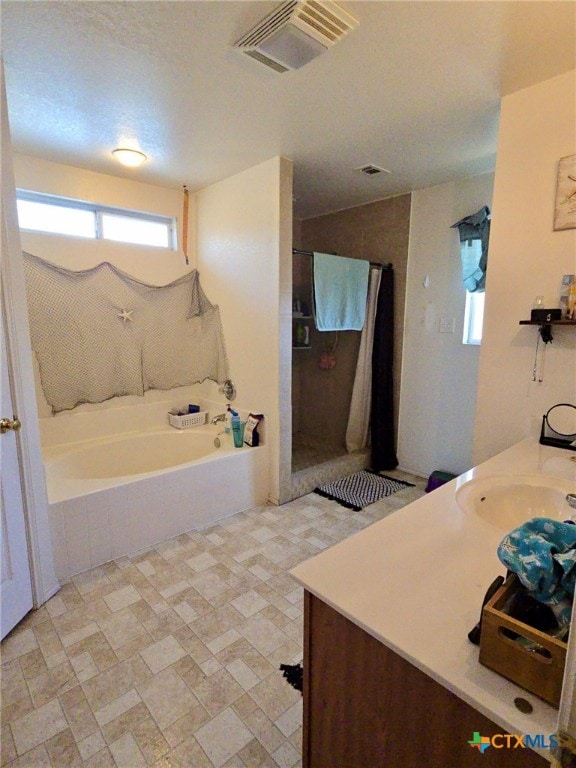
{"x":130,"y":157}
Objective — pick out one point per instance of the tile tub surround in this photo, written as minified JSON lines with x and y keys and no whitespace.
{"x":171,"y":657}
{"x":97,"y":520}
{"x":456,"y":556}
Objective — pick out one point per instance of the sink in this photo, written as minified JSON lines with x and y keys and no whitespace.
{"x":508,"y":501}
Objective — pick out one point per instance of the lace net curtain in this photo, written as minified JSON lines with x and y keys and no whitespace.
{"x":100,"y":333}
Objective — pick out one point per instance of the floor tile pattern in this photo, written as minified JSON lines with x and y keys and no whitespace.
{"x":170,"y":658}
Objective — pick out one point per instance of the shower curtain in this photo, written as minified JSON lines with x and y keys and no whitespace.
{"x":358,"y":428}
{"x":382,"y":420}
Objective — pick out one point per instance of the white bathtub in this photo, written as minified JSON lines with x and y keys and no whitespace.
{"x":122,"y":457}
{"x":113,"y":495}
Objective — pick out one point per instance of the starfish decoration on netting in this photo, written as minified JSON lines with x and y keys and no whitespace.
{"x":126,"y":315}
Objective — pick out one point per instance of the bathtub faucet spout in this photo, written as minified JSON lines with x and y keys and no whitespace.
{"x":220,"y":417}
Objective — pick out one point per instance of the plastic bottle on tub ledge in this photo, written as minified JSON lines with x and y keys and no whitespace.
{"x":230,"y":414}
{"x":237,"y":429}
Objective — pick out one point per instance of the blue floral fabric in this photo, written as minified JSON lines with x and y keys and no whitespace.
{"x":542,"y":553}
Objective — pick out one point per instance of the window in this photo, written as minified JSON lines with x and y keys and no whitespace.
{"x":59,"y":215}
{"x":128,"y":229}
{"x":55,"y":218}
{"x":473,"y":317}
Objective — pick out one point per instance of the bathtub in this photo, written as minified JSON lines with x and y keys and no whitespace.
{"x":121,"y":458}
{"x":115,"y":493}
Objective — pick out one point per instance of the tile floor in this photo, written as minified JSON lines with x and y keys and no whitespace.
{"x":171,"y":657}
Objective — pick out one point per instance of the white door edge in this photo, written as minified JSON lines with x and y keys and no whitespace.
{"x":44,"y":580}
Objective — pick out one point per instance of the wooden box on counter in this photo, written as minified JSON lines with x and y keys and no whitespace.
{"x":538,"y":671}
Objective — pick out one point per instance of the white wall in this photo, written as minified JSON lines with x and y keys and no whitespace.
{"x":527,"y":258}
{"x":244,"y":258}
{"x":439,"y":372}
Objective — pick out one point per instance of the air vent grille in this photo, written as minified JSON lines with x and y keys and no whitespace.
{"x":269,"y":25}
{"x":266,"y":60}
{"x":372,"y":170}
{"x":323,"y":21}
{"x":295,"y":33}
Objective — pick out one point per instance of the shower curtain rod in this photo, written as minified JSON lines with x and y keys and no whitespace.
{"x":298,"y":252}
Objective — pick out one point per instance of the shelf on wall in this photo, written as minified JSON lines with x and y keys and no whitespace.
{"x":544,"y":327}
{"x":547,"y":322}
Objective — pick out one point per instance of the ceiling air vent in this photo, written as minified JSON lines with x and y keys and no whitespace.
{"x":295,"y":33}
{"x":372,"y":170}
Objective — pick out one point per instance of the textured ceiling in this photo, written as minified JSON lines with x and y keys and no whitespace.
{"x":415,"y":89}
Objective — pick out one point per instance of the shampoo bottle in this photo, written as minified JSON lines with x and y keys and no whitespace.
{"x":237,"y":429}
{"x":228,"y":422}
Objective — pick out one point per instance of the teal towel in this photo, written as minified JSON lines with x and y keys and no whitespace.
{"x":340,"y":290}
{"x":542,"y":553}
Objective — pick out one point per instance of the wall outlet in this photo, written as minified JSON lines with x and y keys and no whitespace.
{"x":446,"y":325}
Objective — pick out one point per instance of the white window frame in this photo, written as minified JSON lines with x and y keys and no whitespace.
{"x":98,"y":210}
{"x":474,"y":305}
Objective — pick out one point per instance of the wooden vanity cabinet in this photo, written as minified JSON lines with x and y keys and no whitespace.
{"x":366,"y":707}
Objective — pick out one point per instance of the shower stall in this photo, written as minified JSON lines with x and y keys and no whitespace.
{"x":323,"y":365}
{"x":324,"y":362}
{"x":346,"y":416}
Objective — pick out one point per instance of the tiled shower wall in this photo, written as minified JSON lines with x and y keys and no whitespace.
{"x":377,"y":232}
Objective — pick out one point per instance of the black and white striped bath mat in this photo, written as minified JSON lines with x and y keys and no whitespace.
{"x":362,"y":488}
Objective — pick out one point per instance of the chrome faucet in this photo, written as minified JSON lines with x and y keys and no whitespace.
{"x":220,"y":417}
{"x":571,"y":499}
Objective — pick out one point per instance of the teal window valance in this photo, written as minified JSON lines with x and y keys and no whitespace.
{"x":474,"y":234}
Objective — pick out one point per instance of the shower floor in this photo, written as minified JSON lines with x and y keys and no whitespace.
{"x":315,"y":462}
{"x":310,"y":450}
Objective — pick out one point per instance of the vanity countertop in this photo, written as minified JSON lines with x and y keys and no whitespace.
{"x":416,"y":580}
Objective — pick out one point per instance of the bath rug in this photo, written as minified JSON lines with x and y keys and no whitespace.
{"x":362,"y":488}
{"x":293,"y":673}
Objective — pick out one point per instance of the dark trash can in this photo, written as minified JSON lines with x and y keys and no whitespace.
{"x":438,"y":478}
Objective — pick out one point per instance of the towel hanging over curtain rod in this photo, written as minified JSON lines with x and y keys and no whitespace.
{"x":299,"y":252}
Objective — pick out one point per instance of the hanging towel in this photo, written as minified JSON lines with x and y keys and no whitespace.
{"x":340,"y":289}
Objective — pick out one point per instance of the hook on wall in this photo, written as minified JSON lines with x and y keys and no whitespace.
{"x":545,"y":332}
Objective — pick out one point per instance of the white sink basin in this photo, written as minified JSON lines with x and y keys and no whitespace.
{"x":508,"y":501}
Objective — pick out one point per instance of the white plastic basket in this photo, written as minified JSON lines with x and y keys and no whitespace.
{"x":188,"y":420}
